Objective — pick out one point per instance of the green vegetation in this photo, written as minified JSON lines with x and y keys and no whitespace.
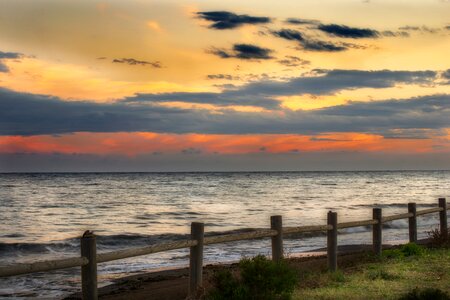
{"x":426,"y":294}
{"x":409,"y":272}
{"x":257,"y":278}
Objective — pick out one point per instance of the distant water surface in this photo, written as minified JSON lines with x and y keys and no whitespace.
{"x":44,"y":214}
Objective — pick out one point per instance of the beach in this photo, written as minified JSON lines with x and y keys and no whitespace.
{"x":45,"y":214}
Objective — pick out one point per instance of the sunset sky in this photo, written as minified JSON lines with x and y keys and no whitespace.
{"x":224,"y":85}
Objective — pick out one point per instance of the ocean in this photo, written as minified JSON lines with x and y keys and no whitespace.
{"x":44,"y":214}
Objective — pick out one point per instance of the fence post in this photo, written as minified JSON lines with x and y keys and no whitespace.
{"x":377,"y":237}
{"x":276,"y":223}
{"x":443,"y":217}
{"x":196,"y":260}
{"x":89,"y":271}
{"x":332,"y":241}
{"x":412,"y":223}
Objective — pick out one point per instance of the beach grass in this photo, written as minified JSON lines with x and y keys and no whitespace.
{"x":390,"y":277}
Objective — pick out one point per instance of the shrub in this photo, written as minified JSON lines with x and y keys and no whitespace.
{"x":426,"y":294}
{"x":438,"y":239}
{"x":406,"y":250}
{"x":258,"y":278}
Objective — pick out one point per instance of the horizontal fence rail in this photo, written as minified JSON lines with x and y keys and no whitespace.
{"x":43,"y":266}
{"x":127,"y":253}
{"x":89,"y":258}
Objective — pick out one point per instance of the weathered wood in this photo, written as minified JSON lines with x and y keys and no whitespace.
{"x":42,"y":266}
{"x":196,"y":260}
{"x":356,"y":223}
{"x":89,"y":271}
{"x":443,"y":217}
{"x":397,"y":217}
{"x":412,"y":222}
{"x":255,"y":234}
{"x":428,"y":211}
{"x":300,"y":229}
{"x":276,"y":223}
{"x":127,"y":253}
{"x":332,"y":241}
{"x":377,"y":235}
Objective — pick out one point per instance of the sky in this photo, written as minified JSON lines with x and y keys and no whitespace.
{"x":138,"y":85}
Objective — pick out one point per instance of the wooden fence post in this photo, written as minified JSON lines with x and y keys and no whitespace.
{"x":196,"y":260}
{"x":276,"y":223}
{"x":443,"y":217}
{"x":377,"y":237}
{"x":332,"y":241}
{"x":89,"y":271}
{"x":412,"y":223}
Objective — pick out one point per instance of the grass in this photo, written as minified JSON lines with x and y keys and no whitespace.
{"x":396,"y":274}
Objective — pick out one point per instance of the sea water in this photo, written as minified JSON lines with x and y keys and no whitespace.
{"x":43,"y":215}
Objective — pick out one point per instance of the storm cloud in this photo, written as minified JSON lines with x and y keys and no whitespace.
{"x":227,"y":20}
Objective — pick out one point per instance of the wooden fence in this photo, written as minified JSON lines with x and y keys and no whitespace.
{"x":89,"y":258}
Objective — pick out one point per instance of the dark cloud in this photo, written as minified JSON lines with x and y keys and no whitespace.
{"x":8,"y":55}
{"x":289,"y":34}
{"x":228,"y":20}
{"x":446,"y":74}
{"x":222,"y":76}
{"x":447,"y":27}
{"x":297,"y":21}
{"x":243,"y":51}
{"x":322,"y":46}
{"x":306,"y":43}
{"x":135,"y":62}
{"x":293,"y":61}
{"x":219,"y":99}
{"x":348,"y":32}
{"x":28,"y":114}
{"x":263,"y":93}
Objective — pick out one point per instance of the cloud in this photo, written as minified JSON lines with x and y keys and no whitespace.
{"x":446,"y":74}
{"x":422,"y":28}
{"x":389,"y":33}
{"x":228,"y":20}
{"x":348,"y":32}
{"x":218,"y":99}
{"x":321,"y":46}
{"x":222,"y":76}
{"x":29,"y":114}
{"x":243,"y":51}
{"x":308,"y":44}
{"x":293,"y":61}
{"x":8,"y":55}
{"x":297,"y":21}
{"x":289,"y":34}
{"x":135,"y":62}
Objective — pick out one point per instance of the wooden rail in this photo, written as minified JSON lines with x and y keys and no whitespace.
{"x":89,"y":258}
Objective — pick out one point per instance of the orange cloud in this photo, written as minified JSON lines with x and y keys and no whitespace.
{"x":136,"y":143}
